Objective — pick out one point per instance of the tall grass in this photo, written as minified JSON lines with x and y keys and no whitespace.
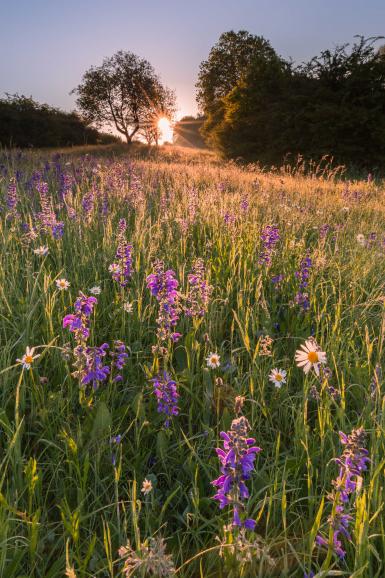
{"x":64,"y":506}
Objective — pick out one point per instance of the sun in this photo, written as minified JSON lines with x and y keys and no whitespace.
{"x":165,"y":128}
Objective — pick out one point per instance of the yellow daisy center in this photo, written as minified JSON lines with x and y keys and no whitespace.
{"x":278,"y":377}
{"x":28,"y":359}
{"x":312,"y":356}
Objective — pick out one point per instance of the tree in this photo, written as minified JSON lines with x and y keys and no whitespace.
{"x":165,"y":107}
{"x":228,"y":64}
{"x":267,"y":108}
{"x":126,"y":93}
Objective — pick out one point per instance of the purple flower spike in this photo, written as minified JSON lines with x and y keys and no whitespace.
{"x":352,"y":463}
{"x":237,"y":463}
{"x":270,"y":237}
{"x":165,"y":390}
{"x":164,"y":286}
{"x":122,"y":268}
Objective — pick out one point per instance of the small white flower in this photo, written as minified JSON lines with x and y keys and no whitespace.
{"x":95,"y":290}
{"x":310,"y":356}
{"x":213,"y":360}
{"x":361,"y":239}
{"x":62,"y":284}
{"x":278,"y":377}
{"x":41,"y":251}
{"x":128,"y":307}
{"x":28,"y":358}
{"x":146,"y":486}
{"x":114,"y":268}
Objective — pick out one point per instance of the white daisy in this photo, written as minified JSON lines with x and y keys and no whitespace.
{"x":95,"y":290}
{"x":146,"y":486}
{"x":213,"y":360}
{"x":62,"y":284}
{"x":41,"y":251}
{"x":310,"y":356}
{"x":361,"y":239}
{"x":114,"y":268}
{"x":28,"y":358}
{"x":128,"y":307}
{"x":278,"y":377}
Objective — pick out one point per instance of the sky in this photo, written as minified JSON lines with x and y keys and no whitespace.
{"x":47,"y":45}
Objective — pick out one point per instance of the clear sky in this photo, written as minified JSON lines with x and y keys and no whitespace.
{"x":46,"y":45}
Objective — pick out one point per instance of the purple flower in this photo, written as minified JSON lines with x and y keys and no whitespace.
{"x":270,"y":237}
{"x":78,"y":323}
{"x":302,"y":297}
{"x":198,"y":297}
{"x":94,"y":370}
{"x":123,"y":266}
{"x":115,"y":443}
{"x":11,"y":198}
{"x":352,"y":464}
{"x":237,"y":463}
{"x":58,"y":230}
{"x":119,"y":359}
{"x":164,"y":286}
{"x":165,"y":390}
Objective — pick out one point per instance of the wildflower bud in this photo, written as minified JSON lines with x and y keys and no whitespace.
{"x":239,"y":401}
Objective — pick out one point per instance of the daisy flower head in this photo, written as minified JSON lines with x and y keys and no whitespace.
{"x":41,"y":251}
{"x":62,"y":284}
{"x":28,"y":358}
{"x":114,"y":268}
{"x":310,"y":356}
{"x":278,"y":377}
{"x":213,"y":360}
{"x":146,"y":486}
{"x":128,"y":307}
{"x":361,"y":239}
{"x":95,"y":290}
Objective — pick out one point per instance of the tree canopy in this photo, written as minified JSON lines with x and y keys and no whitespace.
{"x":125,"y":92}
{"x":258,"y":106}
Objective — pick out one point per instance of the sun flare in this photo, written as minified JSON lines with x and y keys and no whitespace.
{"x":166,"y":131}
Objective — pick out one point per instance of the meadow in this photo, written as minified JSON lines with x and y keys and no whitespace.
{"x":165,"y":298}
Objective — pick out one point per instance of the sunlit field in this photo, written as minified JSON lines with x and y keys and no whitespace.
{"x":150,"y":301}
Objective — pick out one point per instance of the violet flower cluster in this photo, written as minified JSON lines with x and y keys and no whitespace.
{"x":94,"y":372}
{"x":302,"y":297}
{"x":164,"y":286}
{"x":88,"y":360}
{"x":47,"y":218}
{"x":166,"y":393}
{"x":237,"y":463}
{"x":122,"y":268}
{"x":11,"y":198}
{"x":119,"y":357}
{"x":352,"y":464}
{"x":270,"y":237}
{"x":199,"y":293}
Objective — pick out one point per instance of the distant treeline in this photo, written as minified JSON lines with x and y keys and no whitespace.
{"x":26,"y":123}
{"x":259,"y":107}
